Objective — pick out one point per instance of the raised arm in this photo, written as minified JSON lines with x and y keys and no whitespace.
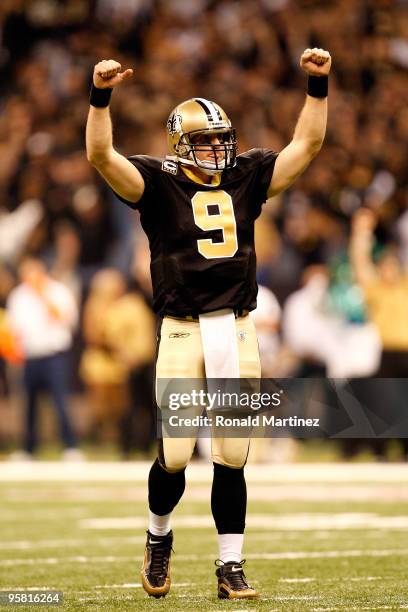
{"x":361,"y":242}
{"x":121,"y":175}
{"x":311,"y":126}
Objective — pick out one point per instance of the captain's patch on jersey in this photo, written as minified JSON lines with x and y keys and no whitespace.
{"x":169,"y":166}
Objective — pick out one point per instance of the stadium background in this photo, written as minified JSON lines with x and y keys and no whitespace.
{"x":244,"y":55}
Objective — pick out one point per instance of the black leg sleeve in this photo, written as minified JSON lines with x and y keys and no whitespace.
{"x":165,"y":489}
{"x":229,"y":499}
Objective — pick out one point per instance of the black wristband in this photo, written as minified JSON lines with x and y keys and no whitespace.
{"x":100,"y":97}
{"x":318,"y":86}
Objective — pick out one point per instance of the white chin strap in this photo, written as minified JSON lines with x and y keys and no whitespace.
{"x":207,"y":167}
{"x":211,"y":168}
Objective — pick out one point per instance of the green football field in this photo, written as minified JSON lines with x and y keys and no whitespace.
{"x":319,"y":537}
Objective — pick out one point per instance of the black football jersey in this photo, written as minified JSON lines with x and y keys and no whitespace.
{"x":202,"y":236}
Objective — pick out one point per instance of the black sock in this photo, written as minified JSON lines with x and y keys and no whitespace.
{"x":229,"y":499}
{"x":165,"y":489}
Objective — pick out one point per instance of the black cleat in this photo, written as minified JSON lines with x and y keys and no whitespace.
{"x":156,"y":564}
{"x":232,"y":583}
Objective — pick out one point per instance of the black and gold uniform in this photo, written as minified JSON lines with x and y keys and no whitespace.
{"x":202,"y":235}
{"x":203,"y":261}
{"x":203,"y":268}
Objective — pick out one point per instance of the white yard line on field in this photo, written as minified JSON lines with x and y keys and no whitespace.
{"x":382,"y":492}
{"x":69,"y":543}
{"x":295,"y":555}
{"x":280,"y":522}
{"x":346,"y":579}
{"x":23,"y":515}
{"x":202,"y":472}
{"x":297,"y":597}
{"x":328,"y":554}
{"x":136,"y":540}
{"x":295,"y":580}
{"x":26,"y":588}
{"x":365,"y":578}
{"x":70,"y":560}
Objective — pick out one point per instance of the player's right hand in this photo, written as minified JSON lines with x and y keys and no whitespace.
{"x":107,"y":73}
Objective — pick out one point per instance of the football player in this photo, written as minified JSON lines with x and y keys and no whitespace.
{"x":198,"y":207}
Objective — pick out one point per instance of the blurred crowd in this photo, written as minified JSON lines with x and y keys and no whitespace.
{"x":319,"y":313}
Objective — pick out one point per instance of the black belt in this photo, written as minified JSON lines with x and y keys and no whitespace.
{"x":238,"y":312}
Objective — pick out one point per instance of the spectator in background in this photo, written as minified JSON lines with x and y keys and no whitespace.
{"x":385,"y":288}
{"x":130,"y":335}
{"x":9,"y":348}
{"x":10,"y":352}
{"x":118,"y":360}
{"x":266,"y":317}
{"x":16,"y":228}
{"x":65,"y":259}
{"x":327,"y":343}
{"x":104,"y":375}
{"x":42,"y":315}
{"x":138,"y":427}
{"x":276,"y":362}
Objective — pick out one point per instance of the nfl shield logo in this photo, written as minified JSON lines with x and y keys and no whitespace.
{"x":242,"y":336}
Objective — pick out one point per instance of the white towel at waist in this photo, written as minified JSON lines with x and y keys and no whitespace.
{"x":219,"y":339}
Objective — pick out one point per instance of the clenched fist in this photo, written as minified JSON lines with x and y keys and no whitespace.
{"x":107,"y":73}
{"x":316,"y":62}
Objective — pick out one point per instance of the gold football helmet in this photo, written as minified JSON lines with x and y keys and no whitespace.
{"x":200,"y":117}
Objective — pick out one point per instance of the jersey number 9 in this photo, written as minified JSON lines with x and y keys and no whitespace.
{"x":224,"y":220}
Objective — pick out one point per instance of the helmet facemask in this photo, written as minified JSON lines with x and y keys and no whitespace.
{"x":187,"y":149}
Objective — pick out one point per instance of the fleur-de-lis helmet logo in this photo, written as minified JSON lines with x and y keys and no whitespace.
{"x":174,"y":124}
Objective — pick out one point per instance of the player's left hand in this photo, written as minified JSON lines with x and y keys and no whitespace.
{"x":316,"y":62}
